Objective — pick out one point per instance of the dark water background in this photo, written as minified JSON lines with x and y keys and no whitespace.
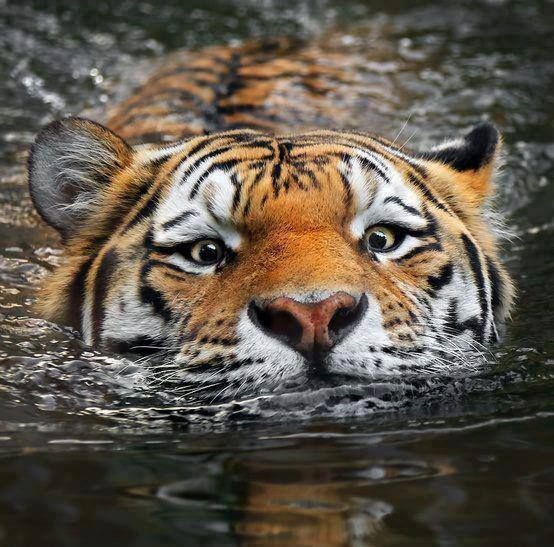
{"x":90,"y":456}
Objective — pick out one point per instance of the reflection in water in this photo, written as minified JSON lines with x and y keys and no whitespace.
{"x":315,"y":509}
{"x":90,"y":455}
{"x":367,"y":483}
{"x":285,"y":497}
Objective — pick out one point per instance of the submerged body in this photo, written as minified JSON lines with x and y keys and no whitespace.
{"x":248,"y":259}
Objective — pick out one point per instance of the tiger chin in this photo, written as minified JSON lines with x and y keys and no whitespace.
{"x":245,"y":261}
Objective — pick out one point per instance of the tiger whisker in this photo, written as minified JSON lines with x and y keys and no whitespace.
{"x":402,"y":128}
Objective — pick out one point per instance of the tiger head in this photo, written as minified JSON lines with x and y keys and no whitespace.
{"x":249,"y":260}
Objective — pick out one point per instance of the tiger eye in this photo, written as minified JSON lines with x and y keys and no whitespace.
{"x":380,"y":238}
{"x":207,"y":252}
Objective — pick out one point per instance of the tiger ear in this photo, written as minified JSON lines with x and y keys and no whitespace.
{"x":471,"y":160}
{"x":70,"y":162}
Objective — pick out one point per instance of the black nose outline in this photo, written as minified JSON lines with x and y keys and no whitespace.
{"x":285,"y":327}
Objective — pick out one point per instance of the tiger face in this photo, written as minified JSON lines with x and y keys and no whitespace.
{"x":250,"y":261}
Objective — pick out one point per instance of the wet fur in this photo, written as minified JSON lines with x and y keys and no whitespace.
{"x":293,"y":210}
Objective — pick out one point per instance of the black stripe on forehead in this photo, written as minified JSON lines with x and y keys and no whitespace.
{"x":347,"y":189}
{"x":198,"y":162}
{"x":275,"y":178}
{"x":350,"y":151}
{"x":279,"y":154}
{"x":237,"y":184}
{"x":302,"y":163}
{"x":259,"y":172}
{"x":400,"y":203}
{"x":223,"y":165}
{"x":304,"y":169}
{"x":178,"y":219}
{"x":366,"y":163}
{"x":226,"y":165}
{"x":417,"y":174}
{"x":102,"y":282}
{"x":252,"y":139}
{"x":151,"y":203}
{"x":197,"y":148}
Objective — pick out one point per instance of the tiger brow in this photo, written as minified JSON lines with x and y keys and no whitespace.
{"x":407,"y":208}
{"x":178,"y":219}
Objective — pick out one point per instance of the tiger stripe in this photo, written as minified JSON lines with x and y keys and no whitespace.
{"x":290,"y":214}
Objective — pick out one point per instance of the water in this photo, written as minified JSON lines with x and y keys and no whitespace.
{"x":90,"y":454}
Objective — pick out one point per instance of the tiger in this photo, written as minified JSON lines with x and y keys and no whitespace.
{"x":202,"y":227}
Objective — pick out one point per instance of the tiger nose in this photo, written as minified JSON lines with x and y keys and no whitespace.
{"x":309,"y":328}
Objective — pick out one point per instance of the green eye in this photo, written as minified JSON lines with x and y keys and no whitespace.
{"x":207,"y":252}
{"x":381,"y":238}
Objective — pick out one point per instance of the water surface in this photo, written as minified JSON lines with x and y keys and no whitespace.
{"x":90,"y":454}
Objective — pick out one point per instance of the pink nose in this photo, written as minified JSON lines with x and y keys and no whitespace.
{"x":309,"y":327}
